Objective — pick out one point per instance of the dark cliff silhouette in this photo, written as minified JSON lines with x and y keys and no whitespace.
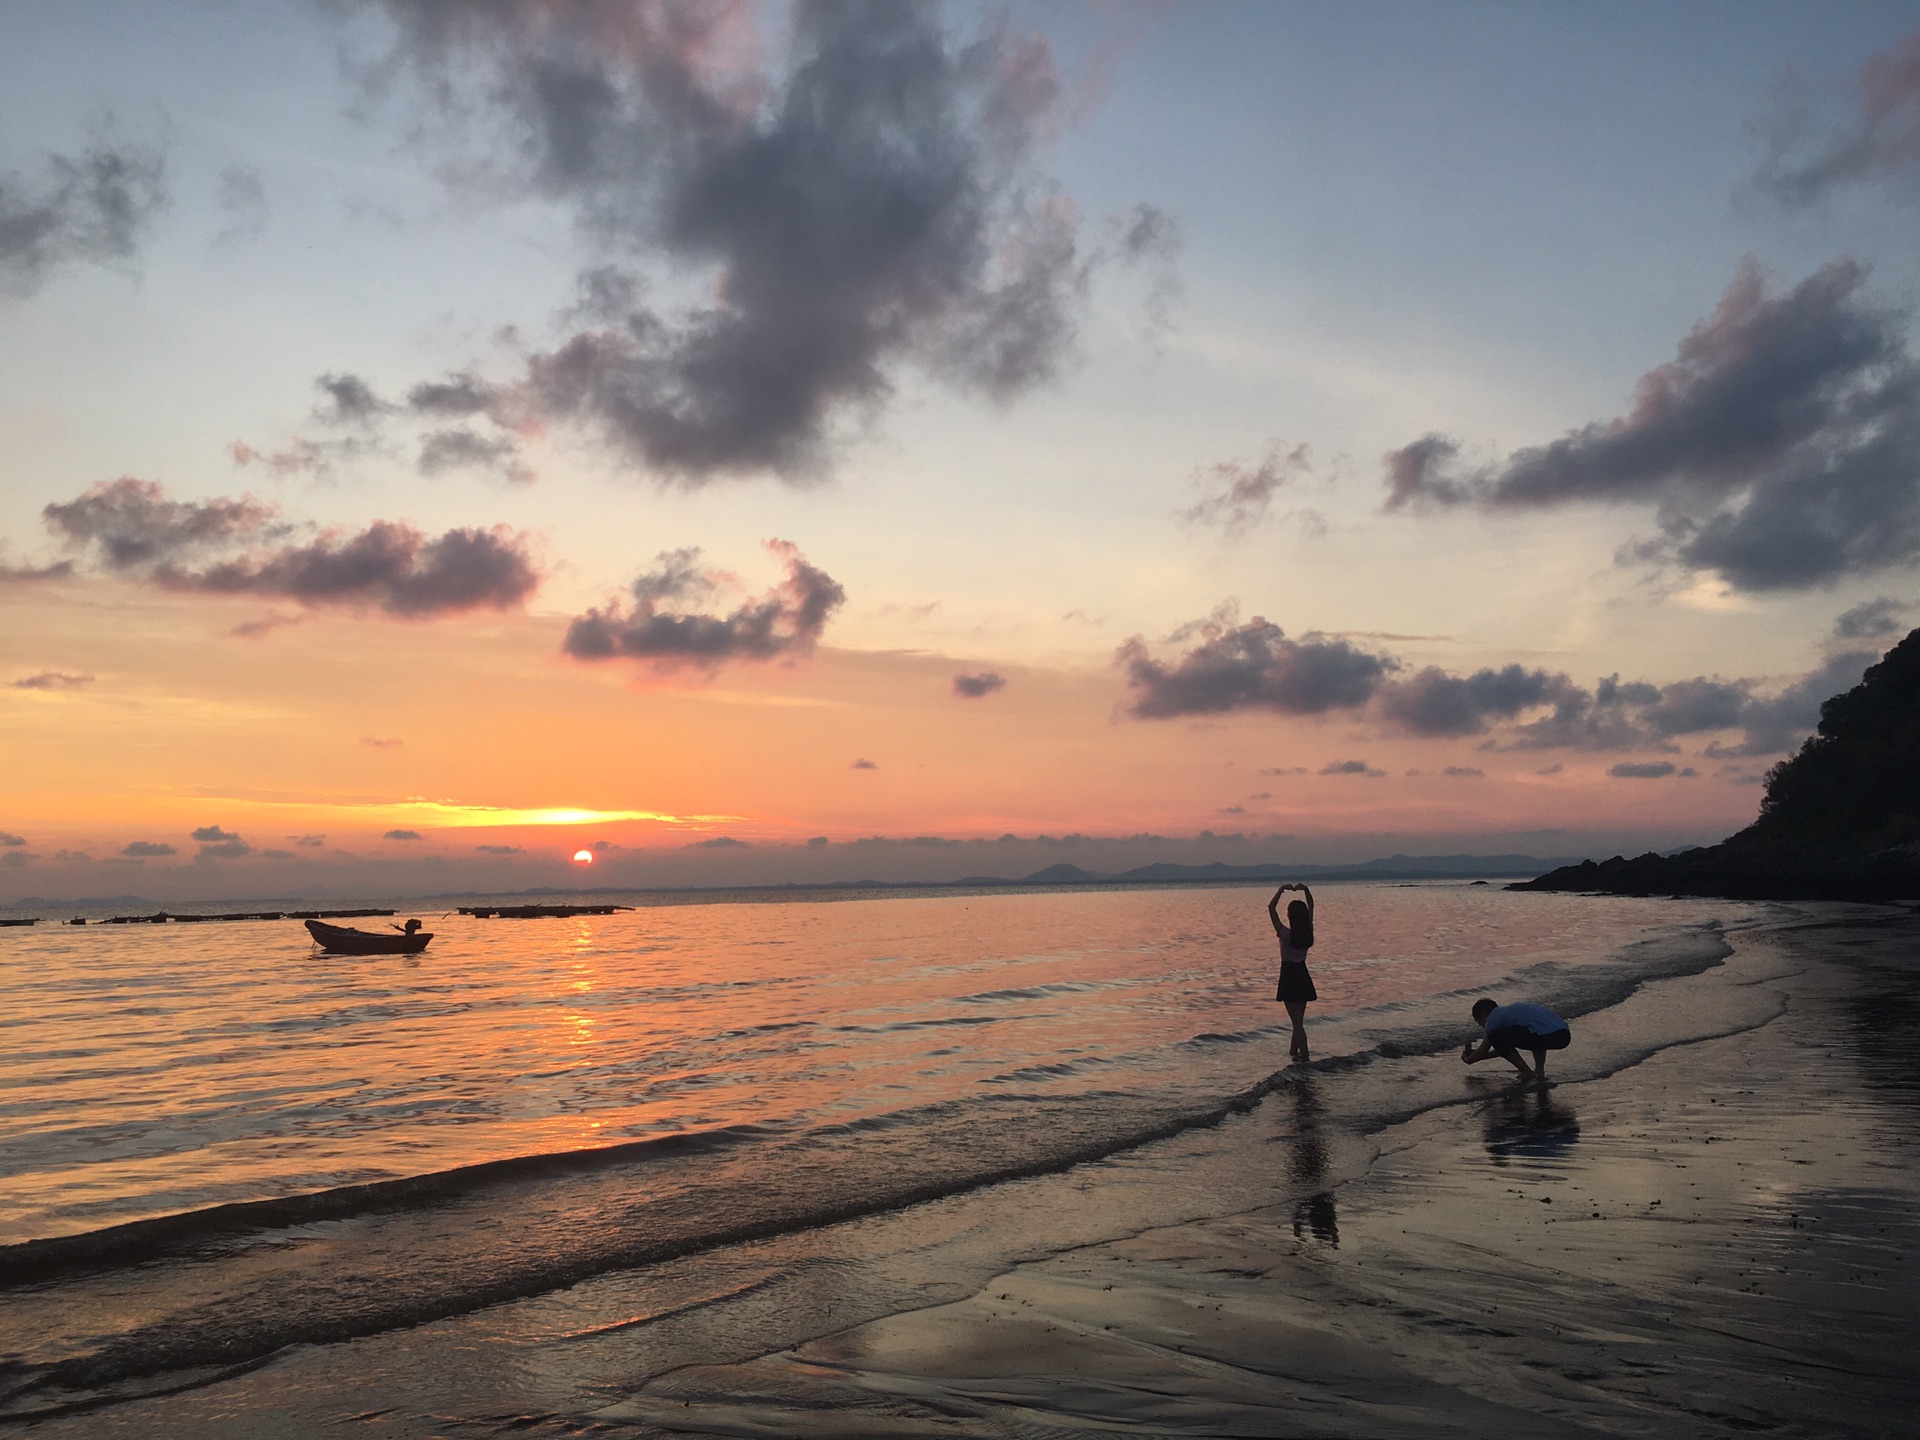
{"x":1840,"y":821}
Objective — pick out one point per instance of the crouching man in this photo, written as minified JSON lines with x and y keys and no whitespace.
{"x":1509,"y":1029}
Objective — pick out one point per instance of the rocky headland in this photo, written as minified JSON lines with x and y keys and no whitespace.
{"x":1840,"y":819}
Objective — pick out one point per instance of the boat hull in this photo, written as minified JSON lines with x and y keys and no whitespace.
{"x":343,"y":940}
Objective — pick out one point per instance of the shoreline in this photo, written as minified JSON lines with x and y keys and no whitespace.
{"x":1288,"y":1271}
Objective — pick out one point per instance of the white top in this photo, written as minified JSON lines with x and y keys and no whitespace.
{"x":1297,"y":954}
{"x":1534,"y":1019}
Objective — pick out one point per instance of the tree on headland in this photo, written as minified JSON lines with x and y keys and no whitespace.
{"x":1840,"y":819}
{"x":1857,"y":777}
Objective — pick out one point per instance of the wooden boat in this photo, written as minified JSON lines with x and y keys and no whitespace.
{"x":344,"y":940}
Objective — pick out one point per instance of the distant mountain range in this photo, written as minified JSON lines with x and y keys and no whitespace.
{"x":1394,"y":867}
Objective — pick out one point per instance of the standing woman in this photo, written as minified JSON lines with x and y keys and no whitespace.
{"x":1296,"y":938}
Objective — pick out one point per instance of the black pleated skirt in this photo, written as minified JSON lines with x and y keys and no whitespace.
{"x":1295,"y":982}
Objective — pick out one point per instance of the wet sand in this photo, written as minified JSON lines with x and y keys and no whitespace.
{"x":1717,"y":1238}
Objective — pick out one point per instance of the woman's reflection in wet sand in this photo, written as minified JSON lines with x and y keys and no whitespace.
{"x":1526,"y":1121}
{"x":1307,"y":1163}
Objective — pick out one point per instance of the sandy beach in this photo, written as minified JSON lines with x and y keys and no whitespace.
{"x":1716,"y":1237}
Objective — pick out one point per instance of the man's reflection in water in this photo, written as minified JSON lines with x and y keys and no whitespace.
{"x":1307,"y":1162}
{"x":1529,"y":1122}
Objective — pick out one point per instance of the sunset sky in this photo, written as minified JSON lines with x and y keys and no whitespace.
{"x":762,"y":443}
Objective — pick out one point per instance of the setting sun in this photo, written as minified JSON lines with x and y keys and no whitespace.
{"x":583,"y":857}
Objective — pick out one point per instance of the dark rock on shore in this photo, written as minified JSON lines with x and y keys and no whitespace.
{"x":1840,"y":821}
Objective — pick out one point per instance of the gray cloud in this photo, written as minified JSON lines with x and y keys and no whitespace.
{"x":1351,"y":767}
{"x":1255,"y":667}
{"x":786,"y":621}
{"x":134,"y":529}
{"x":94,"y":207}
{"x":349,"y":400}
{"x":1464,"y":772}
{"x":401,"y":835}
{"x":1651,"y":770}
{"x":219,"y":844}
{"x":1238,"y":496}
{"x":863,"y":764}
{"x":871,"y":205}
{"x":1432,"y":702}
{"x":27,"y":574}
{"x":1780,"y":448}
{"x":133,"y":524}
{"x":719,"y":842}
{"x":1778,"y":723}
{"x":1251,"y":666}
{"x":498,"y":849}
{"x":9,"y":839}
{"x":145,"y":849}
{"x":445,"y":450}
{"x":1870,"y":620}
{"x":381,"y":742}
{"x":50,"y":680}
{"x":1807,"y":158}
{"x":309,"y":842}
{"x":972,"y":687}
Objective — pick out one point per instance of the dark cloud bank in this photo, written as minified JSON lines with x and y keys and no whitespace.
{"x":868,"y":207}
{"x":242,"y":547}
{"x":1231,"y":667}
{"x":1779,"y":448}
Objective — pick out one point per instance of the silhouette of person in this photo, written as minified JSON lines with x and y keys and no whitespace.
{"x":1296,"y":984}
{"x":408,"y":928}
{"x":1509,"y":1029}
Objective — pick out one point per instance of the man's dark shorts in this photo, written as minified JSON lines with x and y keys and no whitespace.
{"x":1518,"y":1037}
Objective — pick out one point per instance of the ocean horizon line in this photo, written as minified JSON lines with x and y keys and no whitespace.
{"x":1064,"y":875}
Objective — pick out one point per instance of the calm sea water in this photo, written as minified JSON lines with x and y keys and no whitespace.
{"x":215,"y":1142}
{"x":157,"y":1069}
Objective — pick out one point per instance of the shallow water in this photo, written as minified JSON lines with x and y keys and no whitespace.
{"x":158,"y":1069}
{"x":218,"y":1144}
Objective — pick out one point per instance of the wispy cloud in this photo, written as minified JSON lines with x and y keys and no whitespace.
{"x":1237,"y":496}
{"x":51,"y":680}
{"x":1809,"y":155}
